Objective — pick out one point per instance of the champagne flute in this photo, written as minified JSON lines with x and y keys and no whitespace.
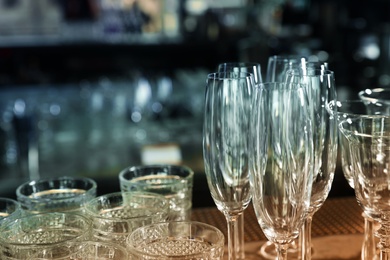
{"x":320,"y":84}
{"x":281,"y":155}
{"x":225,"y":146}
{"x":277,"y":67}
{"x":255,"y":69}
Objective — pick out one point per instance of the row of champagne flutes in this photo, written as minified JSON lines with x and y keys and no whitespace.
{"x":364,"y":144}
{"x":272,"y":142}
{"x":62,"y":218}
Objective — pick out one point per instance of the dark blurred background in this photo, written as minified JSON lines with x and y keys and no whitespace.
{"x":89,"y":87}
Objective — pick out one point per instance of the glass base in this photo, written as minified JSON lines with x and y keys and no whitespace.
{"x":268,"y":251}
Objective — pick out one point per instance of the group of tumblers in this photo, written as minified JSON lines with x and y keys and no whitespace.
{"x":150,"y":218}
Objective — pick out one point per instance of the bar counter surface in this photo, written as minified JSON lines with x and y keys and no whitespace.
{"x":337,"y":229}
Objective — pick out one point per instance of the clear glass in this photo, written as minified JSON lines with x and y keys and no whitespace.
{"x":98,"y":250}
{"x":250,"y":67}
{"x":255,"y":69}
{"x":54,"y":235}
{"x":377,"y":100}
{"x":62,"y":194}
{"x":277,"y":71}
{"x":225,"y":147}
{"x":281,"y":156}
{"x":369,"y":142}
{"x":115,"y":215}
{"x":344,"y":110}
{"x":320,"y":85}
{"x":278,"y":65}
{"x":9,"y":210}
{"x":175,"y":182}
{"x":177,"y":240}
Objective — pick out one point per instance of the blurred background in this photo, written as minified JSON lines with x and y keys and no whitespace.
{"x":89,"y":87}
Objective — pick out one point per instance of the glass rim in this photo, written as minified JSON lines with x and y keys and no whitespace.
{"x":89,"y":205}
{"x":129,"y":169}
{"x":32,"y":183}
{"x":349,"y":121}
{"x":318,"y":72}
{"x":237,"y":64}
{"x":220,"y":243}
{"x":368,"y":91}
{"x":226,"y":75}
{"x":287,"y":57}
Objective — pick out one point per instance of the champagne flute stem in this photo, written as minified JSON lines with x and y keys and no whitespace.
{"x":281,"y":251}
{"x":369,"y":245}
{"x":305,"y":239}
{"x":240,"y":234}
{"x":233,"y":251}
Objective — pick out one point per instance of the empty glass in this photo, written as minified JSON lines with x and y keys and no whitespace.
{"x":115,"y":215}
{"x":176,"y":240}
{"x":56,"y":195}
{"x":320,"y":85}
{"x":281,"y":161}
{"x":369,"y":143}
{"x":226,"y":147}
{"x":255,"y":69}
{"x":344,"y":110}
{"x":172,"y":181}
{"x":52,"y":235}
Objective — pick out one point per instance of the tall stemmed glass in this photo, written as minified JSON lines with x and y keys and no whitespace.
{"x":255,"y":69}
{"x":348,"y":109}
{"x":281,"y":156}
{"x":320,"y":84}
{"x":369,"y":143}
{"x":225,"y":146}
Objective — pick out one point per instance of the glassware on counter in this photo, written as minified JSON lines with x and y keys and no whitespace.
{"x":115,"y":215}
{"x":344,"y":110}
{"x":281,"y":161}
{"x":255,"y":69}
{"x":226,"y":146}
{"x":320,"y":86}
{"x":175,"y":182}
{"x":369,"y":139}
{"x":176,"y":240}
{"x":52,"y":235}
{"x":56,"y":195}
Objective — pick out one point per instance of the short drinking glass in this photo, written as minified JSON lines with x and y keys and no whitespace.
{"x":172,"y":181}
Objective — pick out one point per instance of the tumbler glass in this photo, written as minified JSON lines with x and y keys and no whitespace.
{"x":55,"y":235}
{"x":172,"y":181}
{"x":176,"y":240}
{"x":56,"y":195}
{"x":115,"y":215}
